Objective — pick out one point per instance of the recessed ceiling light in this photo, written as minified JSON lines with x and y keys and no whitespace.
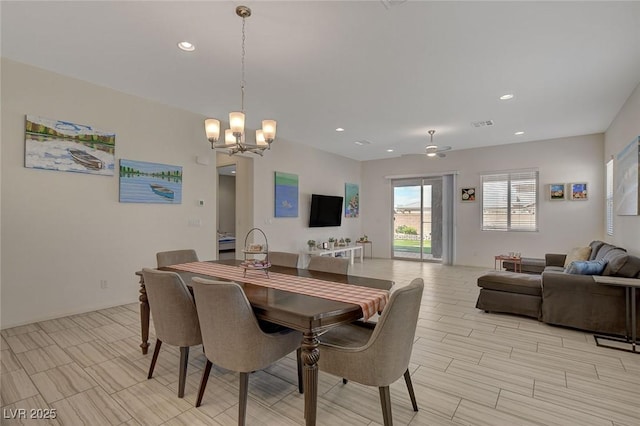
{"x":506,"y":96}
{"x":390,"y":150}
{"x":339,"y":129}
{"x":186,"y":46}
{"x":519,"y":133}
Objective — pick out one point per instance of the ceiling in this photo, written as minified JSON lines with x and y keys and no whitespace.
{"x":385,"y":71}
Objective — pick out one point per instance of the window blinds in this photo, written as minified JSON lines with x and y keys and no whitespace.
{"x":509,"y":201}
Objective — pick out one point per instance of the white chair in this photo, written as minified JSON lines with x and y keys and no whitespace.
{"x":377,"y":354}
{"x":174,"y":317}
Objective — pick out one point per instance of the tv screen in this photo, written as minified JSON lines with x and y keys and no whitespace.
{"x":326,"y":210}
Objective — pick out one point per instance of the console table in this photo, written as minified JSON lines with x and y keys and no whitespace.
{"x":630,"y":285}
{"x":332,"y":252}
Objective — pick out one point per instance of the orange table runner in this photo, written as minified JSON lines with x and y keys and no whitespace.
{"x":371,"y":300}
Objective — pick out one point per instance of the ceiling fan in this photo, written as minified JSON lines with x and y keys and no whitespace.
{"x":435,"y":150}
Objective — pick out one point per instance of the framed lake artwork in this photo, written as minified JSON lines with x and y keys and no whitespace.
{"x":627,"y":180}
{"x":351,"y":200}
{"x":286,"y":194}
{"x":52,"y":144}
{"x":142,"y":182}
{"x":578,"y":191}
{"x":557,"y":192}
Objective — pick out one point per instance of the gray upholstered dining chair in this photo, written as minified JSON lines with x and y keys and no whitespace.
{"x":281,"y":258}
{"x":174,"y":257}
{"x":226,"y":315}
{"x":335,"y":265}
{"x":174,"y":317}
{"x":377,"y":354}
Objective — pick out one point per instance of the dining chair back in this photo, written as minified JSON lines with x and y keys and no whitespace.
{"x":245,"y":347}
{"x":335,"y":265}
{"x":174,"y":317}
{"x":377,"y":354}
{"x":281,"y":258}
{"x":175,"y":257}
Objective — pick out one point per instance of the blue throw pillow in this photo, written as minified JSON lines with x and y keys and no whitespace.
{"x":586,"y":267}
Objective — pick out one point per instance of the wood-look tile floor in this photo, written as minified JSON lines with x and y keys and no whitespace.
{"x":468,"y":368}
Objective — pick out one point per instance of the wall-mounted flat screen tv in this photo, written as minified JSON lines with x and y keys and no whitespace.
{"x":326,"y":210}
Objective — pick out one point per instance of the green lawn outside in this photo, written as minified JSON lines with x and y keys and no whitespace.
{"x":412,"y":246}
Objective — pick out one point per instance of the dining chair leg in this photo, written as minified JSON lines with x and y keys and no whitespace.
{"x":184,"y":359}
{"x":299,"y":361}
{"x":412,"y":395}
{"x":203,"y":382}
{"x":156,"y":351}
{"x":242,"y":405}
{"x":385,"y":401}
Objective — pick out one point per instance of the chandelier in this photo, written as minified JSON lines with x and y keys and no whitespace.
{"x":234,"y":137}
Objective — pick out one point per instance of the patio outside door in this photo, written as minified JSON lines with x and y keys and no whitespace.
{"x":417,"y":219}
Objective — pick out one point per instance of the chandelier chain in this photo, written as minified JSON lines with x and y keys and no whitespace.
{"x":242,"y":83}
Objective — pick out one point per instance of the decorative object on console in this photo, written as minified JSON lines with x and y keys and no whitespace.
{"x":627,"y":180}
{"x":311,"y":244}
{"x":556,"y":191}
{"x":64,"y":146}
{"x":142,"y":182}
{"x":352,"y":200}
{"x":578,"y":191}
{"x":347,"y":240}
{"x":332,"y":242}
{"x":234,"y":137}
{"x":468,"y":194}
{"x":286,"y":194}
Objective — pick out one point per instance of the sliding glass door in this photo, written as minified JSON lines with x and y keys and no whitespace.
{"x":418,"y":219}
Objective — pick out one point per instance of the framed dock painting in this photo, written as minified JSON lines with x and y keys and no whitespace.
{"x":68,"y":147}
{"x":351,"y":200}
{"x":628,"y":179}
{"x":286,"y":194}
{"x":142,"y":182}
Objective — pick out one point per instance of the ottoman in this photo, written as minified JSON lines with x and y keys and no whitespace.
{"x":511,"y":293}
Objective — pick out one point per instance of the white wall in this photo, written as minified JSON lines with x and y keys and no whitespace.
{"x":64,"y":232}
{"x":319,"y":173}
{"x":562,"y":224}
{"x":624,"y":128}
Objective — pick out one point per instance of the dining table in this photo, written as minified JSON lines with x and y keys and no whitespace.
{"x":291,"y":308}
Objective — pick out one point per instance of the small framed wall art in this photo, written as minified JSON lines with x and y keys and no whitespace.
{"x":467,"y":194}
{"x":578,"y":191}
{"x":557,"y":192}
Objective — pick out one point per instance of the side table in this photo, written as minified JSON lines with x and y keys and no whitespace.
{"x":630,"y":285}
{"x":364,"y":244}
{"x":517,"y":262}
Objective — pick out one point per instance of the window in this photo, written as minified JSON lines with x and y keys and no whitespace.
{"x":609,"y":200}
{"x":510,"y":201}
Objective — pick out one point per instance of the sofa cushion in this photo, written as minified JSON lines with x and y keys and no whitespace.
{"x":577,"y":253}
{"x":511,"y":282}
{"x":595,"y":245}
{"x":586,"y":267}
{"x":616,"y":258}
{"x":624,"y":265}
{"x":554,"y":269}
{"x":605,"y":249}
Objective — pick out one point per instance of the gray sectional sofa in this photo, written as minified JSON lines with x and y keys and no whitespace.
{"x":559,"y":298}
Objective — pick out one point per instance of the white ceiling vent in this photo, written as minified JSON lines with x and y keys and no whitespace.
{"x":482,"y":123}
{"x":362,"y":142}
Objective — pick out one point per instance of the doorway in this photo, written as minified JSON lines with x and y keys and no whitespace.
{"x":418,"y":219}
{"x":226,"y":213}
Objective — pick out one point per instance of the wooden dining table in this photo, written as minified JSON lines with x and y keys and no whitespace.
{"x":309,"y":314}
